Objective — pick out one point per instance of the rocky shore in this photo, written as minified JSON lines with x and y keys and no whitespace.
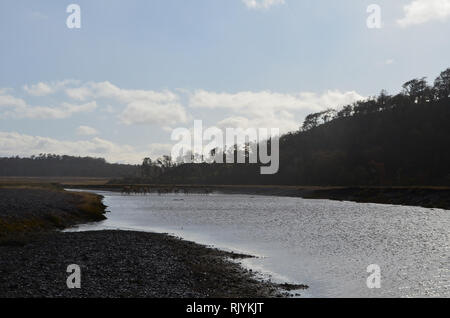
{"x":34,"y":257}
{"x":124,"y":264}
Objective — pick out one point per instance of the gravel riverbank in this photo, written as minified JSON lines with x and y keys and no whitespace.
{"x":125,"y":264}
{"x":34,"y":257}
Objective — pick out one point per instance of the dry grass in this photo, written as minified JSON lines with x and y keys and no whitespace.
{"x":68,"y":181}
{"x":77,"y":208}
{"x":91,"y":205}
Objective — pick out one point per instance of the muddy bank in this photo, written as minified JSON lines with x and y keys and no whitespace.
{"x":125,"y":264}
{"x":438,"y":198}
{"x":428,"y":197}
{"x":25,"y":210}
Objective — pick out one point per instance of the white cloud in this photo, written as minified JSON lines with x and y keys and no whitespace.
{"x":44,"y":89}
{"x":39,"y":89}
{"x":259,"y":102}
{"x":13,"y":107}
{"x":161,"y":108}
{"x":13,"y":143}
{"x":263,"y":109}
{"x":86,"y":131}
{"x":80,"y":93}
{"x":262,"y":4}
{"x":149,"y":112}
{"x":268,"y":109}
{"x":64,"y":111}
{"x":110,"y":91}
{"x":157,"y":150}
{"x":141,"y":106}
{"x":284,"y":121}
{"x":422,"y":11}
{"x":10,"y":101}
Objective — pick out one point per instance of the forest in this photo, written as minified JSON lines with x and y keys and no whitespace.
{"x":51,"y":165}
{"x":386,"y":140}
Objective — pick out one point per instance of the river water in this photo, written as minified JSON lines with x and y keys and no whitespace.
{"x":327,"y":245}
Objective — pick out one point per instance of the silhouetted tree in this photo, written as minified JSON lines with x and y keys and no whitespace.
{"x":146,"y":168}
{"x":311,"y":121}
{"x":346,"y":111}
{"x":384,"y":140}
{"x":442,"y":85}
{"x":418,"y":90}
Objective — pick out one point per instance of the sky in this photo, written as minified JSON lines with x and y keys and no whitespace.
{"x":118,"y":86}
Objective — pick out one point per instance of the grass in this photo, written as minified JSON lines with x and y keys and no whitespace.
{"x":77,"y":208}
{"x":91,"y":205}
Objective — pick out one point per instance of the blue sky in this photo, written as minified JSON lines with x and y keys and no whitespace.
{"x":138,"y":69}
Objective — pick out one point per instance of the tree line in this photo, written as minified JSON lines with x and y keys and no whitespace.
{"x":51,"y":165}
{"x":399,"y":139}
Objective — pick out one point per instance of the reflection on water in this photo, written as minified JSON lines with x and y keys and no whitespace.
{"x":325,"y":244}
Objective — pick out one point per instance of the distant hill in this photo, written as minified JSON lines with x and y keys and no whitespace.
{"x":48,"y":165}
{"x":386,"y":140}
{"x":404,"y":144}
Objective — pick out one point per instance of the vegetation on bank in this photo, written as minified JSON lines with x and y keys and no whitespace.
{"x":51,"y":165}
{"x":26,"y":210}
{"x":386,"y":140}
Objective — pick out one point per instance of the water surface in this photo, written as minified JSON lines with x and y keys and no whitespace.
{"x":325,"y":244}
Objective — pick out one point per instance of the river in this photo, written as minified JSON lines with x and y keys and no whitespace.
{"x":327,"y":245}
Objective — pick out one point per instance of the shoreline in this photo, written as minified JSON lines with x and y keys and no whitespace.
{"x":34,"y":259}
{"x":427,"y":197}
{"x":132,"y":265}
{"x":25,"y":210}
{"x":437,"y":197}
